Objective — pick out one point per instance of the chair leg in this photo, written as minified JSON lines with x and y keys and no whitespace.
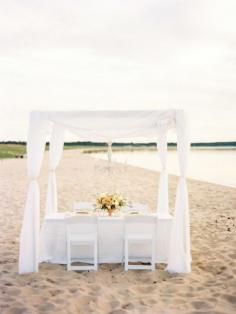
{"x":153,"y":254}
{"x":68,"y":249}
{"x":126,"y":255}
{"x":123,"y":254}
{"x":95,"y":255}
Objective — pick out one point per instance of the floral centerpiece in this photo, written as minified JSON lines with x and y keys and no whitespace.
{"x":110,"y":202}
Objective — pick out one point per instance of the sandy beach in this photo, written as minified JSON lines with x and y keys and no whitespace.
{"x":209,"y":288}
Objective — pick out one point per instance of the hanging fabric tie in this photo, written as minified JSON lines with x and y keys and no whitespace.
{"x":109,"y":151}
{"x":163,"y":196}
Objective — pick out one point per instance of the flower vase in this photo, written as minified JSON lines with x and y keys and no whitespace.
{"x":110,"y":211}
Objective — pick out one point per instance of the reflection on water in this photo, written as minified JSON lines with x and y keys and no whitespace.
{"x":217,"y":166}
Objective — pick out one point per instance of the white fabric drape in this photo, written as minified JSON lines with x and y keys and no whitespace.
{"x":102,"y":126}
{"x":28,"y":258}
{"x":55,"y":153}
{"x":105,"y":126}
{"x":163,"y":197}
{"x":179,"y":259}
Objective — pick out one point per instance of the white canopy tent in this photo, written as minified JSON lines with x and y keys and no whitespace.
{"x":105,"y":126}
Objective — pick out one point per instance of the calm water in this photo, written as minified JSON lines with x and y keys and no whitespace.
{"x":212,"y":165}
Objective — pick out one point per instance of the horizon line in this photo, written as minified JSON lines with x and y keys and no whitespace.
{"x":85,"y":143}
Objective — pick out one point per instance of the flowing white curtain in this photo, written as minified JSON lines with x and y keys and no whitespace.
{"x":163,"y":197}
{"x":28,"y":256}
{"x":55,"y":153}
{"x":179,"y":259}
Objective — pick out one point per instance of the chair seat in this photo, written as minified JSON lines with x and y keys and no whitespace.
{"x":138,"y":237}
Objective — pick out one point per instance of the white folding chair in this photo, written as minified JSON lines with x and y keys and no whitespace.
{"x":83,"y":206}
{"x":81,"y":231}
{"x":140,"y":229}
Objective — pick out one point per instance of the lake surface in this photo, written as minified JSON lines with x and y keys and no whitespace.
{"x":211,"y":165}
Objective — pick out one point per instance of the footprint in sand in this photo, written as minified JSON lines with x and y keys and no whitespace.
{"x":230,"y":298}
{"x":201,"y":305}
{"x":17,"y":310}
{"x":146,"y":289}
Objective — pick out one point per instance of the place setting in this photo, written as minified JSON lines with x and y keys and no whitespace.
{"x":110,"y":205}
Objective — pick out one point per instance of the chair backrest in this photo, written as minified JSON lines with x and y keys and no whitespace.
{"x":140,"y":224}
{"x":81,"y":224}
{"x":83,"y":205}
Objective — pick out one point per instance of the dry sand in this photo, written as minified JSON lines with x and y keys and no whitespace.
{"x":210,"y":288}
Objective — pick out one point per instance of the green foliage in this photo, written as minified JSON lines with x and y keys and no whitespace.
{"x":12,"y":150}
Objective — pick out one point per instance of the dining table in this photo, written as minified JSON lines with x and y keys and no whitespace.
{"x":52,"y":238}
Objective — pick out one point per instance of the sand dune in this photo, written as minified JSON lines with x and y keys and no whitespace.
{"x":210,"y":288}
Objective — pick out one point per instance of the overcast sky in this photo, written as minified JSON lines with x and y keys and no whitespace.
{"x":111,"y":54}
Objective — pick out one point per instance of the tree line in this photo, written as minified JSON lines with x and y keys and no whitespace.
{"x":151,"y":144}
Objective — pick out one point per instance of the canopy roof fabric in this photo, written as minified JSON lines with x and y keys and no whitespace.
{"x":113,"y":125}
{"x":105,"y":126}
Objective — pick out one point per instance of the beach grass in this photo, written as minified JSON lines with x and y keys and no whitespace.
{"x":12,"y":151}
{"x":19,"y":150}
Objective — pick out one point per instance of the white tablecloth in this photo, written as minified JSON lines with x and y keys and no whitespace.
{"x":110,"y":240}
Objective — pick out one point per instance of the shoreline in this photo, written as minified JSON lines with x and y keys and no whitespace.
{"x":132,"y":165}
{"x":225,"y":184}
